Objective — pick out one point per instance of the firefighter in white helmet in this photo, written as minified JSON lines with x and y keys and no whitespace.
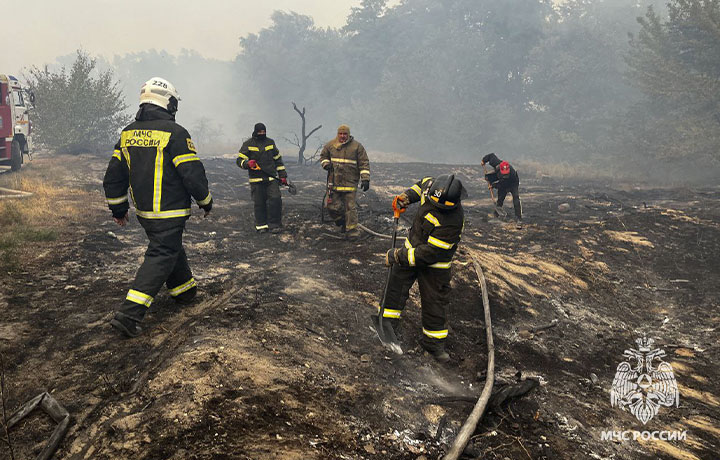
{"x":156,"y":159}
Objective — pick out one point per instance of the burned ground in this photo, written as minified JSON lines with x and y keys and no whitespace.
{"x":277,"y":360}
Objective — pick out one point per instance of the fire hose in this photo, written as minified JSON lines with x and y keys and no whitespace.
{"x":470,"y":424}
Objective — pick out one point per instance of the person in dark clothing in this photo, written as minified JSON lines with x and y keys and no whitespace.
{"x":505,"y":179}
{"x":261,"y":157}
{"x":427,"y":258}
{"x":166,"y":172}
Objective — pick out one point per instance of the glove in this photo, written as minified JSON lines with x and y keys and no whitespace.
{"x":391,"y":257}
{"x":120,"y":213}
{"x":403,"y":201}
{"x":208,"y":206}
{"x":365,"y":186}
{"x":327,"y":166}
{"x":252,"y":164}
{"x":283,"y":180}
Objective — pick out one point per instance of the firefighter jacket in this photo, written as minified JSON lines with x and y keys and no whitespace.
{"x":350,"y":164}
{"x":435,"y":233}
{"x":494,"y":177}
{"x":268,"y":158}
{"x":157,"y":161}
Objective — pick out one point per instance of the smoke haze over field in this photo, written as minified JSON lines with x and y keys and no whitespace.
{"x":41,"y":30}
{"x":598,"y":82}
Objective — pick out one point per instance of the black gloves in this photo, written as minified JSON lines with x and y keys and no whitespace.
{"x":365,"y":186}
{"x":207,"y":207}
{"x":120,"y":213}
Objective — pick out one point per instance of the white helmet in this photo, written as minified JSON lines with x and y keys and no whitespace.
{"x":160,"y":92}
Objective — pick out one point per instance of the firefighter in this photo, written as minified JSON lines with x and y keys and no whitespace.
{"x":157,"y":160}
{"x":261,"y":157}
{"x":346,"y":162}
{"x":427,"y":257}
{"x":505,"y":180}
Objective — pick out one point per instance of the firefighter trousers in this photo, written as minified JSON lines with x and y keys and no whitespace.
{"x":267,"y":204}
{"x":342,"y":207}
{"x":434,"y":284}
{"x":165,"y":263}
{"x":502,"y":193}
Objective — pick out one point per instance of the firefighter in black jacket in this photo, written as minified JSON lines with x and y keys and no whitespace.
{"x":156,"y":159}
{"x":261,"y":157}
{"x":505,"y":179}
{"x":427,"y":257}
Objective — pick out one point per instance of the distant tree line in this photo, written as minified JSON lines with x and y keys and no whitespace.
{"x":449,"y":80}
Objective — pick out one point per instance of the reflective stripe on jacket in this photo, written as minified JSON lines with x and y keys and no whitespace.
{"x":350,"y":164}
{"x":267,"y":156}
{"x":156,"y":161}
{"x":435,"y":233}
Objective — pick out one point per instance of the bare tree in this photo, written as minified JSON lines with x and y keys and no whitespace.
{"x":301,"y":142}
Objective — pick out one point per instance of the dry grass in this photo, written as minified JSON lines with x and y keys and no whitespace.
{"x":37,"y":218}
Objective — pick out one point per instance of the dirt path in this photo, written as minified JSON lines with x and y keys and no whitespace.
{"x":277,"y":360}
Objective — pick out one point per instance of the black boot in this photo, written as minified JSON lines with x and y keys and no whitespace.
{"x":436,"y":349}
{"x":126,"y":325}
{"x":187,"y":297}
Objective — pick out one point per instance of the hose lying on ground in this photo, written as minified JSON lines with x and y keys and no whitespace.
{"x":470,"y":424}
{"x":379,"y":235}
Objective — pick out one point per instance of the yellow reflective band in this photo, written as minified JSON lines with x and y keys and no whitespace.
{"x":432,"y":219}
{"x":407,"y":244}
{"x":345,"y":189}
{"x":163,"y":214}
{"x":116,"y":154}
{"x":441,"y":265}
{"x":206,"y":200}
{"x":256,"y":179}
{"x":343,"y":160}
{"x":139,"y":297}
{"x":243,"y":156}
{"x":449,"y":203}
{"x":350,"y":227}
{"x":280,"y":168}
{"x":365,"y":171}
{"x":387,"y":313}
{"x":126,"y":154}
{"x":120,"y":200}
{"x":176,"y":291}
{"x":260,"y":227}
{"x":277,"y":157}
{"x":157,"y":194}
{"x":425,"y":179}
{"x":415,"y":188}
{"x":269,"y":147}
{"x":180,"y":159}
{"x":436,"y":334}
{"x":439,"y":243}
{"x":254,"y":149}
{"x":411,"y":257}
{"x":325,"y":161}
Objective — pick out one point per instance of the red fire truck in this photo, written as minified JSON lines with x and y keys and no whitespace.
{"x":15,"y":125}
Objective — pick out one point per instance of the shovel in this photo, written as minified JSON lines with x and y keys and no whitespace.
{"x":385,"y":332}
{"x":498,"y":209}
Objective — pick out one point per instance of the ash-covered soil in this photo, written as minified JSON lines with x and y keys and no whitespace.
{"x":277,"y":360}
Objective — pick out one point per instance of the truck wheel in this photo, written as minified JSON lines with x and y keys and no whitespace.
{"x":15,"y":156}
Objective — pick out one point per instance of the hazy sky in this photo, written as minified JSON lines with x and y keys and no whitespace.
{"x":40,"y":30}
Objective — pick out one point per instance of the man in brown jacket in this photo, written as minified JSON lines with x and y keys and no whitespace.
{"x":347,"y":162}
